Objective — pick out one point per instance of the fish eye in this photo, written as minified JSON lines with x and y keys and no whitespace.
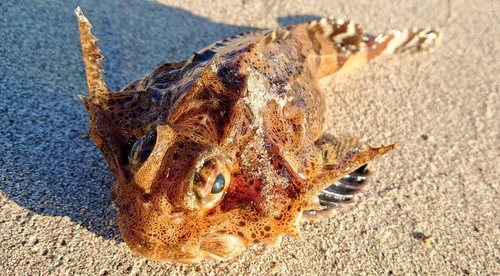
{"x":142,"y":148}
{"x":210,"y":182}
{"x":218,"y":185}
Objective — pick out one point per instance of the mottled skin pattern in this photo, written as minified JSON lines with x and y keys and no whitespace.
{"x":226,"y":149}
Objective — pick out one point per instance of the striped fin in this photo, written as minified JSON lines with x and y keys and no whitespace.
{"x":341,"y":193}
{"x":336,"y":44}
{"x":344,"y":33}
{"x":405,"y":40}
{"x":343,"y":190}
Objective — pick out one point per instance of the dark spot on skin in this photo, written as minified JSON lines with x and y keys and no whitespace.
{"x":146,"y":197}
{"x":184,"y":237}
{"x":175,"y":156}
{"x":267,"y":228}
{"x":230,"y":76}
{"x":125,"y":207}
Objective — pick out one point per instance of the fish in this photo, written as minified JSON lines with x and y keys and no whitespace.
{"x":227,"y":148}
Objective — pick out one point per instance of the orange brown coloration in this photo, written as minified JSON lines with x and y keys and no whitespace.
{"x":226,"y":149}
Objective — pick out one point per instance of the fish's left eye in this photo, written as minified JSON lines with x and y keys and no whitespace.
{"x":142,"y":148}
{"x":211,"y":181}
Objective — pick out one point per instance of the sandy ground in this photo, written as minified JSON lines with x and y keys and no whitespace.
{"x":443,"y":108}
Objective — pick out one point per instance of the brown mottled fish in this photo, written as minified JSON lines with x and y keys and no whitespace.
{"x":226,"y":149}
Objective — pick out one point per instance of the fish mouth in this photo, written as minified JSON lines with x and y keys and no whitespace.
{"x":212,"y":247}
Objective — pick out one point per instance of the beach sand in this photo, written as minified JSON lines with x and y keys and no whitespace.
{"x":433,"y":204}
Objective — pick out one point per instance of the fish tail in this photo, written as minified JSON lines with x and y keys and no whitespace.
{"x":398,"y":41}
{"x":334,"y":44}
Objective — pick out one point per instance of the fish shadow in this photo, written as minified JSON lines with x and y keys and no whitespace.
{"x":49,"y":167}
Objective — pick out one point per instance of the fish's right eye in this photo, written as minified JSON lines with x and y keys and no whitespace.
{"x":141,"y":149}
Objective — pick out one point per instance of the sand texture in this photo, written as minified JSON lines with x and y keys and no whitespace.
{"x":443,"y":108}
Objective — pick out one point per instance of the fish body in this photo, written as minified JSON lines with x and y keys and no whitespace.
{"x":227,"y":149}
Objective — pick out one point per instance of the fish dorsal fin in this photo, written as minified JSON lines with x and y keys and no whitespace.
{"x":91,"y":57}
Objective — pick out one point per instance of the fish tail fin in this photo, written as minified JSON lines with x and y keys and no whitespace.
{"x":398,"y":41}
{"x":334,"y":44}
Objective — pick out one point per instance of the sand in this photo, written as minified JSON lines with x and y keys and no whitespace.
{"x":442,"y":107}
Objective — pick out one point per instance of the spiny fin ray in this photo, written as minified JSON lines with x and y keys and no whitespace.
{"x":91,"y":57}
